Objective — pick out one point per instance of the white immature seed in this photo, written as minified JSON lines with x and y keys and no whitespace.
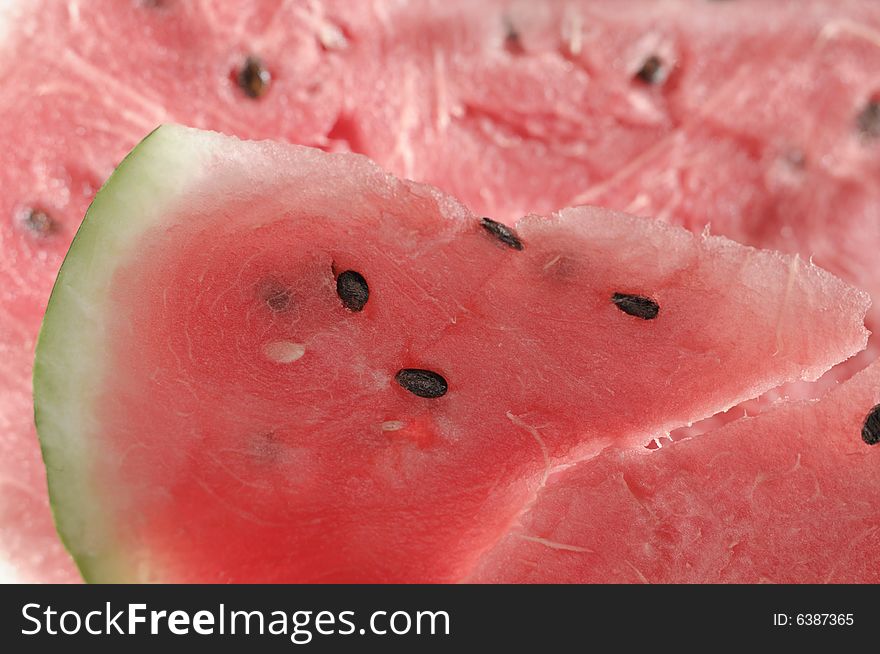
{"x":332,"y":38}
{"x":393,"y":425}
{"x":284,"y":351}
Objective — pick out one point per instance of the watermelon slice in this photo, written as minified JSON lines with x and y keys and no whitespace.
{"x":790,"y":496}
{"x":265,"y":363}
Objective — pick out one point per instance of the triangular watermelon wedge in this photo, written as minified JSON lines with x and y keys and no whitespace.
{"x":790,"y":496}
{"x":262,"y":362}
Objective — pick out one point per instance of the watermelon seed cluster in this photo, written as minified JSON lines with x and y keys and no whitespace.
{"x":871,"y":427}
{"x":354,"y":292}
{"x":636,"y":305}
{"x":352,"y":289}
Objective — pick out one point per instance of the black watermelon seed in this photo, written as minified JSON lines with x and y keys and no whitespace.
{"x":424,"y":383}
{"x":254,"y":78}
{"x":871,"y":428}
{"x":502,"y":232}
{"x":868,"y":120}
{"x":38,"y":222}
{"x":352,"y":290}
{"x":653,"y":71}
{"x":636,"y":305}
{"x":512,"y":40}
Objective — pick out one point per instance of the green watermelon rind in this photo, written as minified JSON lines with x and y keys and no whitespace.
{"x":138,"y":189}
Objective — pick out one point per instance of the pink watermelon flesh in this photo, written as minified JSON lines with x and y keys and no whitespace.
{"x":790,"y":496}
{"x":259,"y":428}
{"x":466,"y":95}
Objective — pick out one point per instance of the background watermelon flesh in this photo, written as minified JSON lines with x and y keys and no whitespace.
{"x":785,"y":169}
{"x":576,"y":124}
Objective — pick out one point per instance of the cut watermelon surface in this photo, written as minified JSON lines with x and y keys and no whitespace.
{"x":790,"y":496}
{"x":755,"y":117}
{"x":266,"y":363}
{"x":764,"y":170}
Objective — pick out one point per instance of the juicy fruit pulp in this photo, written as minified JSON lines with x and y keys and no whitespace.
{"x":302,"y":369}
{"x":789,"y":496}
